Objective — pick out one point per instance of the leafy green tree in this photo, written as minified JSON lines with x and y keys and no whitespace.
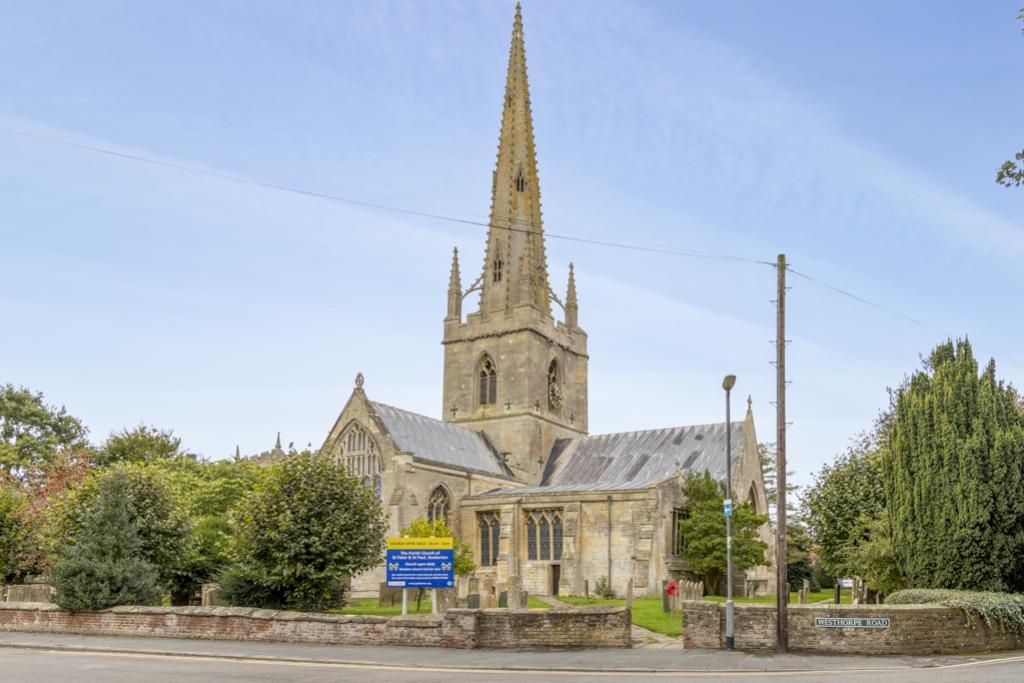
{"x":139,"y":444}
{"x":14,"y":533}
{"x":301,"y":534}
{"x":798,"y":550}
{"x":32,"y":432}
{"x":1011,"y":173}
{"x":160,"y":522}
{"x":769,"y":457}
{"x":424,"y":528}
{"x":874,"y":557}
{"x":954,"y":472}
{"x":103,"y":563}
{"x":207,"y":490}
{"x":844,"y":495}
{"x":703,"y":528}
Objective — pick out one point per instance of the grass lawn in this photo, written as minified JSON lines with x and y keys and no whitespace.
{"x":370,"y":606}
{"x":819,"y":596}
{"x":646,"y":612}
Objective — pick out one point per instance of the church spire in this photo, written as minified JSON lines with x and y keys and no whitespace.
{"x":515,"y":267}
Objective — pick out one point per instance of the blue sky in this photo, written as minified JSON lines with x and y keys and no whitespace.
{"x":861,"y":140}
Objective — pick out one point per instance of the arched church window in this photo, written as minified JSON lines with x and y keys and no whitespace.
{"x":752,"y":497}
{"x":357,"y":452}
{"x":488,"y":380}
{"x":437,"y":506}
{"x":555,"y":397}
{"x":520,"y":181}
{"x":544,"y":535}
{"x":490,"y":532}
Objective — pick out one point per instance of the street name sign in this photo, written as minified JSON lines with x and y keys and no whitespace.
{"x":847,"y":622}
{"x":420,"y":563}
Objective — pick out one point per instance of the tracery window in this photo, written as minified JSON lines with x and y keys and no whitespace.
{"x":358,"y":454}
{"x":554,"y":387}
{"x":437,"y":506}
{"x":520,"y":181}
{"x":752,"y":497}
{"x":488,"y":380}
{"x":544,"y":535}
{"x":498,"y":263}
{"x":490,"y":532}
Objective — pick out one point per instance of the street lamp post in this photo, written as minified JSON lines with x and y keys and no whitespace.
{"x":728,"y":383}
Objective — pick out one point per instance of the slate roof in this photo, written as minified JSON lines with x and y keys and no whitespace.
{"x":431,"y":439}
{"x":635,"y":460}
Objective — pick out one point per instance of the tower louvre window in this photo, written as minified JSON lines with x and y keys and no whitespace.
{"x":497,"y":268}
{"x":488,"y":382}
{"x":520,"y":181}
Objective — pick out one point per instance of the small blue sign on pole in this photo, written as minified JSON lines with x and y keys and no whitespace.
{"x":422,"y":567}
{"x":728,"y":507}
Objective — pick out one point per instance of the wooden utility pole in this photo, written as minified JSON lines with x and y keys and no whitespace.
{"x":781,"y":582}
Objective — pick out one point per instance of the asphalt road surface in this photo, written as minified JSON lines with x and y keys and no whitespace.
{"x":39,"y":665}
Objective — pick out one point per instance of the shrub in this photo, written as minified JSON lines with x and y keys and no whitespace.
{"x":301,"y":534}
{"x":1005,"y":610}
{"x":603,"y":588}
{"x":102,"y":564}
{"x":159,"y":521}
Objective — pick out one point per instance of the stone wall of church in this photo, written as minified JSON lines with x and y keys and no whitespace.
{"x":622,"y":538}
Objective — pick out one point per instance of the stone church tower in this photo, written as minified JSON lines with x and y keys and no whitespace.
{"x":511,"y":370}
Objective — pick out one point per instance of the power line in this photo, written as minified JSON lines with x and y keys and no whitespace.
{"x":866,"y":302}
{"x":397,"y":209}
{"x":694,"y":253}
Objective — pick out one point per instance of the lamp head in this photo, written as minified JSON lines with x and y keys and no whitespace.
{"x":729,"y":382}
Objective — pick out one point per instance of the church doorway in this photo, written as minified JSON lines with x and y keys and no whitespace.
{"x":556,"y":578}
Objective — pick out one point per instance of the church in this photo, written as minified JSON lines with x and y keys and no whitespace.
{"x":511,"y":465}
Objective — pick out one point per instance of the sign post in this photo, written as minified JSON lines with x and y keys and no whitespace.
{"x":420,"y":563}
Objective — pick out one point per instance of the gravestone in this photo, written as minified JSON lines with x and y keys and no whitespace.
{"x":503,"y":599}
{"x":473,"y":601}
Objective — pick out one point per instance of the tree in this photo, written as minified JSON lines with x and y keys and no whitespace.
{"x":160,"y":522}
{"x":1011,"y":173}
{"x":103,"y":563}
{"x":954,"y":472}
{"x":843,"y":496}
{"x":874,"y":557}
{"x":703,"y":528}
{"x":140,"y":444}
{"x":14,"y":533}
{"x":207,"y":491}
{"x":32,"y":432}
{"x":301,"y":534}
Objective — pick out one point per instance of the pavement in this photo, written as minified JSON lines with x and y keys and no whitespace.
{"x":46,"y":657}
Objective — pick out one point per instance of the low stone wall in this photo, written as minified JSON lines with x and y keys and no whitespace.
{"x":582,"y":627}
{"x":890,"y":629}
{"x":457,"y":628}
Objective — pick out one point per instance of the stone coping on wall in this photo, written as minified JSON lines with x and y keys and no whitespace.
{"x":874,"y":629}
{"x":456,"y":628}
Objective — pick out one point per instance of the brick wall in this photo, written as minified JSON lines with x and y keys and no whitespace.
{"x":913,"y":629}
{"x":457,"y":628}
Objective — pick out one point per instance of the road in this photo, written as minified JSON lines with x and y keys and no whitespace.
{"x":42,"y":665}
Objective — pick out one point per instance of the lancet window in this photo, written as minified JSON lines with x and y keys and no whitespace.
{"x":544,"y":535}
{"x":490,"y":533}
{"x":488,"y":382}
{"x":678,"y":539}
